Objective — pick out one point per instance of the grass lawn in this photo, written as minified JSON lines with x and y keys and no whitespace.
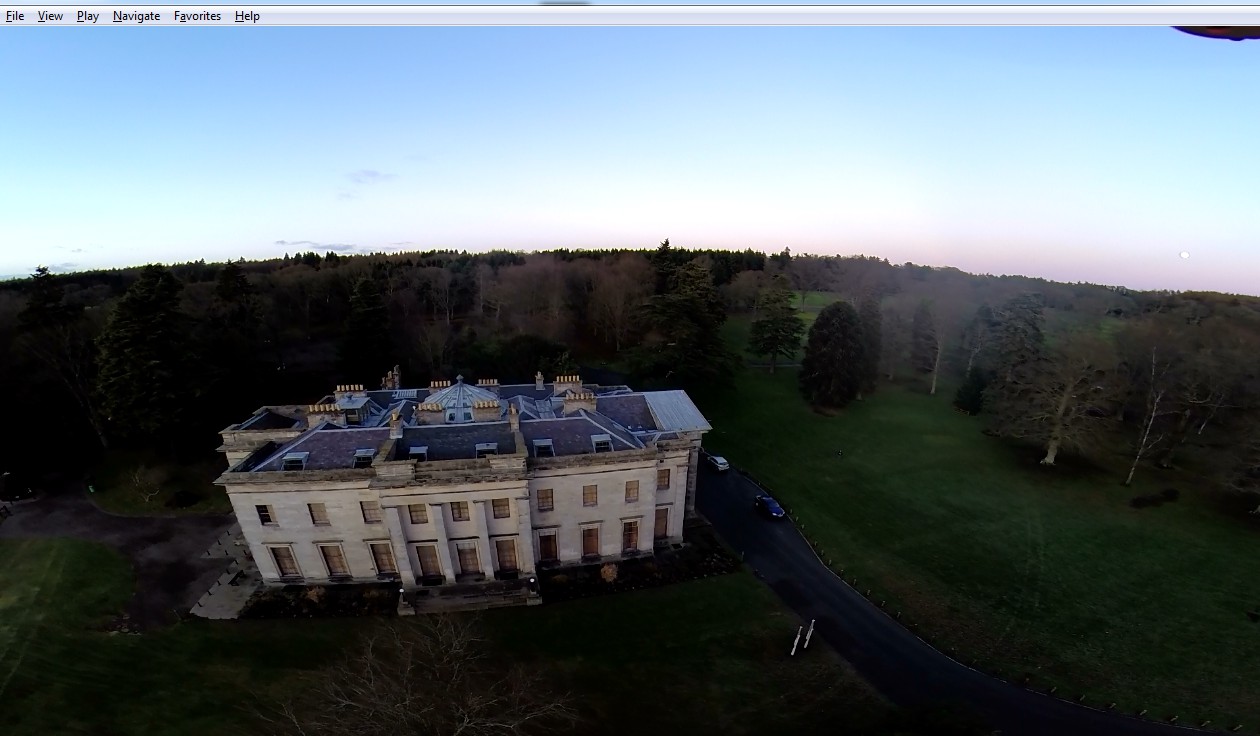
{"x":1040,"y":570}
{"x":123,"y":476}
{"x":698,"y":656}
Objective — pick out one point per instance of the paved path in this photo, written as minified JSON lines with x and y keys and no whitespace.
{"x":166,"y":552}
{"x":896,"y":662}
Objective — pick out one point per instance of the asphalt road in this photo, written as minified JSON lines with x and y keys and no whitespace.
{"x":896,"y":662}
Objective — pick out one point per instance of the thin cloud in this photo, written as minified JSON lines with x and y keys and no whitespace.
{"x":313,"y":245}
{"x":347,"y":196}
{"x":63,"y":267}
{"x":369,"y":176}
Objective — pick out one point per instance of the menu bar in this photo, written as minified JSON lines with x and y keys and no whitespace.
{"x":630,"y":15}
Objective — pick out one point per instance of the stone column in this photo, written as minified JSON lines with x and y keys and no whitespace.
{"x":525,"y":530}
{"x":437,"y":514}
{"x":483,"y":537}
{"x":693,"y":469}
{"x":647,"y":532}
{"x":398,"y":542}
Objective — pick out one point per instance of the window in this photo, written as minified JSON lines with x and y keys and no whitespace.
{"x":546,"y":499}
{"x":419,"y":514}
{"x":334,"y":560}
{"x":419,"y":453}
{"x":547,"y":547}
{"x":590,"y":495}
{"x":544,"y":448}
{"x":502,"y":508}
{"x":353,"y":418}
{"x":632,"y":491}
{"x":662,"y":479}
{"x":266,"y":515}
{"x":295,"y":461}
{"x":590,"y":541}
{"x":383,"y":558}
{"x":319,"y":514}
{"x":459,"y":510}
{"x":602,"y":442}
{"x":430,"y":563}
{"x":371,"y":511}
{"x":485,"y":449}
{"x":363,"y":458}
{"x":286,"y":563}
{"x":662,"y":522}
{"x":629,"y":535}
{"x":468,"y":562}
{"x":506,"y":551}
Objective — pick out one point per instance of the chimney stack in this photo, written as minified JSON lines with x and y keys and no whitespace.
{"x":579,"y":400}
{"x":514,"y":418}
{"x":429,"y":414}
{"x":568,"y":383}
{"x":392,"y":380}
{"x":540,"y":384}
{"x":316,"y":413}
{"x":486,"y":411}
{"x":395,"y":425}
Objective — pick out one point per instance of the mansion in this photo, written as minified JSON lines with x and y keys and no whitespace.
{"x":461,"y":483}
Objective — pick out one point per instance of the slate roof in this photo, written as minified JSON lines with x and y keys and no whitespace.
{"x":630,"y":411}
{"x":632,"y":420}
{"x":330,"y":447}
{"x":458,"y":441}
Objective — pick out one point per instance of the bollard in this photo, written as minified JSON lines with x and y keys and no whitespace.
{"x":867,"y":593}
{"x":1141,"y":713}
{"x":1204,"y":724}
{"x":1173,"y":719}
{"x":898,"y":616}
{"x":881,"y":604}
{"x":1111,"y":705}
{"x":1081,"y":699}
{"x":1053,"y":688}
{"x":1236,"y":728}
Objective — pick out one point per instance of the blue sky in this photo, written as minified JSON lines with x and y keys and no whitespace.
{"x":1075,"y":154}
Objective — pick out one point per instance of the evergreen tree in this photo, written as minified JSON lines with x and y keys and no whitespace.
{"x":970,"y":395}
{"x":684,"y":341}
{"x":831,"y":373}
{"x":777,"y":332}
{"x":870,"y":318}
{"x":664,"y":266}
{"x":367,"y":345}
{"x":144,"y":387}
{"x":1019,"y":357}
{"x":231,"y":343}
{"x":923,"y":338}
{"x":45,"y":306}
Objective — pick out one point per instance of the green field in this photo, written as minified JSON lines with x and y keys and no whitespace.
{"x":1046,"y":571}
{"x":705,"y":657}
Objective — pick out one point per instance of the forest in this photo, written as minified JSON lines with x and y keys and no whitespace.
{"x":163,"y":357}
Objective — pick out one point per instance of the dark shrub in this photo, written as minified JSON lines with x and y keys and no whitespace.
{"x":183,"y":499}
{"x":1169,"y":495}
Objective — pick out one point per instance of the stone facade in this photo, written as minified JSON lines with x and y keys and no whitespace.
{"x":460,"y":483}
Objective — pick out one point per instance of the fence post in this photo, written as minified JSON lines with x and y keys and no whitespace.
{"x":796,"y":641}
{"x":809,"y":634}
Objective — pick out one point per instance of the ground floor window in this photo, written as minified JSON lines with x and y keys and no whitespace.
{"x":629,"y":535}
{"x":547,"y":547}
{"x":468,"y":561}
{"x":430,"y":563}
{"x":334,"y":560}
{"x":506,"y":551}
{"x":383,"y":558}
{"x":662,"y":522}
{"x":286,"y":563}
{"x":590,"y":540}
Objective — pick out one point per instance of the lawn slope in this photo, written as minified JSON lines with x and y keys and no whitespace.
{"x":1047,"y":571}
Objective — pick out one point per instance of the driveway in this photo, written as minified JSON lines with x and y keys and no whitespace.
{"x":894,"y":661}
{"x":165,"y":552}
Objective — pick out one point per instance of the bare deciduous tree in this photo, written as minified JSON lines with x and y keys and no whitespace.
{"x":429,"y":676}
{"x":146,"y":482}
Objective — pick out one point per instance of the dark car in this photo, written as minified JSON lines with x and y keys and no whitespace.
{"x":768,"y":507}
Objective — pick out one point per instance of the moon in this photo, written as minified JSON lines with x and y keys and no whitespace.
{"x":1185,"y":254}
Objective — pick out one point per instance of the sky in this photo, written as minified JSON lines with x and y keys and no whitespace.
{"x":1074,"y":154}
